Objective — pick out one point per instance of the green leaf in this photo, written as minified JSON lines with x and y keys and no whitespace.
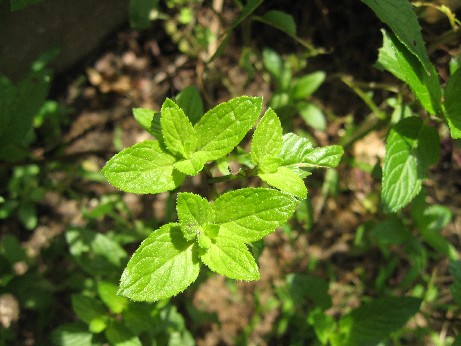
{"x":455,"y":271}
{"x":312,"y":115}
{"x":119,"y":335}
{"x":372,"y":322}
{"x":108,"y":293}
{"x":430,"y":222}
{"x":409,"y":152}
{"x":307,"y":85}
{"x":90,"y":311}
{"x":397,"y":59}
{"x":19,"y":105}
{"x":286,"y":180}
{"x":190,"y":101}
{"x":144,"y":118}
{"x":299,"y":152}
{"x":156,"y":128}
{"x":267,"y":142}
{"x":72,"y":334}
{"x":222,"y":128}
{"x":193,"y":213}
{"x":401,"y":18}
{"x":193,"y":165}
{"x":139,"y":11}
{"x":178,"y":133}
{"x":453,"y":104}
{"x":252,"y":213}
{"x":279,"y":70}
{"x":280,"y":20}
{"x":231,"y":258}
{"x":143,"y":168}
{"x":164,"y":265}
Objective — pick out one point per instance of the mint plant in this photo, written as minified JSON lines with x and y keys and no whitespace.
{"x":216,"y":233}
{"x":412,"y":142}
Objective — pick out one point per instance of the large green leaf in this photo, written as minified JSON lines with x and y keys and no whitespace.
{"x":231,"y":258}
{"x":453,"y":104}
{"x":267,"y":143}
{"x":222,"y":128}
{"x":143,"y":168}
{"x":252,"y":213}
{"x":400,"y":17}
{"x":193,"y":213}
{"x":397,"y":59}
{"x":163,"y":265}
{"x":410,"y":148}
{"x":372,"y":322}
{"x":178,"y":132}
{"x":286,"y":180}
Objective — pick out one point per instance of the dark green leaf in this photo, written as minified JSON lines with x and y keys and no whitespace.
{"x":139,"y":11}
{"x":372,"y":322}
{"x":280,"y":20}
{"x":401,"y":18}
{"x":190,"y":101}
{"x":453,"y":104}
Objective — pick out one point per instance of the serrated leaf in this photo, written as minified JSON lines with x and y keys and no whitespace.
{"x":397,"y":59}
{"x":194,"y":212}
{"x":90,"y":310}
{"x":190,"y":101}
{"x":410,"y":150}
{"x":108,"y":293}
{"x":193,"y":165}
{"x":267,"y":142}
{"x":307,"y":85}
{"x":453,"y":104}
{"x":231,"y":258}
{"x":372,"y":322}
{"x":222,"y":128}
{"x":298,"y":151}
{"x":401,"y":18}
{"x":143,"y":168}
{"x":164,"y":265}
{"x":178,"y":132}
{"x":144,"y":118}
{"x":286,"y":180}
{"x":252,"y":213}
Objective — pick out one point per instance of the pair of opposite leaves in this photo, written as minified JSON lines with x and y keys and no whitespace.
{"x":182,"y":149}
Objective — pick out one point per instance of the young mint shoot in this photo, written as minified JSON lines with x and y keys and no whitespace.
{"x":215,"y":233}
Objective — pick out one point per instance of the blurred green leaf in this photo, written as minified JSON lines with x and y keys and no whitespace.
{"x":279,"y":70}
{"x":312,"y":115}
{"x":455,"y":271}
{"x":119,"y":335}
{"x":90,"y":311}
{"x":453,"y":104}
{"x":280,"y":20}
{"x":72,"y":334}
{"x":144,"y":117}
{"x":139,"y":11}
{"x":305,"y":86}
{"x":108,"y":293}
{"x":372,"y":322}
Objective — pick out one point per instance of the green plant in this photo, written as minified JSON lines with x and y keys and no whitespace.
{"x":215,"y":233}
